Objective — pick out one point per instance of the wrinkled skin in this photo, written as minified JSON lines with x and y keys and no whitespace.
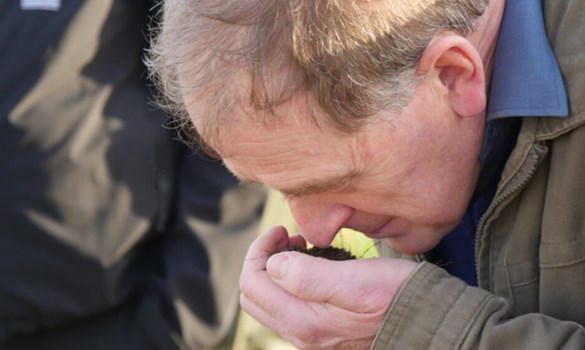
{"x":315,"y":303}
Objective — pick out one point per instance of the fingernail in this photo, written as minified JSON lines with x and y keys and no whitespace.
{"x":277,"y":266}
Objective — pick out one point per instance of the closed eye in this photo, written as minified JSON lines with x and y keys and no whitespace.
{"x":342,"y":184}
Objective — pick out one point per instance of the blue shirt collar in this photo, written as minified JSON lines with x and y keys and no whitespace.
{"x":526,"y":79}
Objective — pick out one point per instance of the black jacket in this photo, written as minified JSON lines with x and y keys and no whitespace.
{"x":112,"y":233}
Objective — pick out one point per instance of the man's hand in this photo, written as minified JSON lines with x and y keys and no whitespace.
{"x":315,"y":303}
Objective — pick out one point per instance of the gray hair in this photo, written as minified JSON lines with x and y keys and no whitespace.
{"x":351,"y":58}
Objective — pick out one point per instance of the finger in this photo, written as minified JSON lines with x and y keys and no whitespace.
{"x":259,"y":314}
{"x":255,"y":284}
{"x":363,"y":286}
{"x":299,"y":240}
{"x":276,"y":309}
{"x":304,"y":322}
{"x":315,"y":325}
{"x":296,"y":323}
{"x":273,"y":240}
{"x":260,"y":290}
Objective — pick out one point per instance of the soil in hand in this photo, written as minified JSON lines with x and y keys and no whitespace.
{"x":331,"y":253}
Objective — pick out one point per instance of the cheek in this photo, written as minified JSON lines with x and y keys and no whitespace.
{"x":424,"y":197}
{"x":442,"y":183}
{"x":447,"y":197}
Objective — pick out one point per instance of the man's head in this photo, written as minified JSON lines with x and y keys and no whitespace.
{"x":367,"y":114}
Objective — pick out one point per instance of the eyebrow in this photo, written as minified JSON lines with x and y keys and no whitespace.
{"x":314,"y":187}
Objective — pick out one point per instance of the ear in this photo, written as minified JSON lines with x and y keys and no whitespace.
{"x":459,"y":69}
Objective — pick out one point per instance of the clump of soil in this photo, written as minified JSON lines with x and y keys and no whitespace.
{"x":331,"y":253}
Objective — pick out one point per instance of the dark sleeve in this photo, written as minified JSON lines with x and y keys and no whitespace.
{"x":183,"y":278}
{"x":112,"y":235}
{"x":216,"y":220}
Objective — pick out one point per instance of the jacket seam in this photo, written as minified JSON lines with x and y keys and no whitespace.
{"x":525,"y":283}
{"x":475,"y":317}
{"x":578,"y":120}
{"x":563,"y":264}
{"x":562,"y":243}
{"x":450,"y":310}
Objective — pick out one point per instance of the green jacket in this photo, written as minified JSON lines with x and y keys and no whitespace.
{"x":530,"y":248}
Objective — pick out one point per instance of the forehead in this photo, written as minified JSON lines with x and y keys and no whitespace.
{"x":288,"y":151}
{"x":287,"y":142}
{"x":238,"y":117}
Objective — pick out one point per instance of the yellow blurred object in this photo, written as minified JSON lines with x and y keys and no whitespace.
{"x":277,"y":212}
{"x":250,"y":334}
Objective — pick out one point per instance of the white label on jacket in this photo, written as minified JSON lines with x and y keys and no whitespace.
{"x":48,"y":5}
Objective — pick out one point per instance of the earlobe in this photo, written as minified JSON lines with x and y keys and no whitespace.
{"x":459,"y":69}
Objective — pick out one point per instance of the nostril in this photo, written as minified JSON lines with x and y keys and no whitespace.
{"x":320,"y":240}
{"x":342,"y":212}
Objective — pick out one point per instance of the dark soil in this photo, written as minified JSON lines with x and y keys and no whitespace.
{"x":331,"y":253}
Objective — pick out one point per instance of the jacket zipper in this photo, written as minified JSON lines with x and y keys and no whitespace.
{"x":499,"y":200}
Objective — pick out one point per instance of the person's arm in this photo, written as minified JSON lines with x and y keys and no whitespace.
{"x":216,"y":220}
{"x":113,"y":329}
{"x":437,"y":311}
{"x":384,"y":304}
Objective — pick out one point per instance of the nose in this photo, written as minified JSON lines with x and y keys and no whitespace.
{"x":318,"y":220}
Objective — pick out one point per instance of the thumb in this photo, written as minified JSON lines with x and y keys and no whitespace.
{"x":366,"y":285}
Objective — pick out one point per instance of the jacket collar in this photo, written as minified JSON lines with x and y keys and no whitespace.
{"x":526,"y":79}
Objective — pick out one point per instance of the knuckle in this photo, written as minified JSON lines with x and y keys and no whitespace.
{"x":309,"y":336}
